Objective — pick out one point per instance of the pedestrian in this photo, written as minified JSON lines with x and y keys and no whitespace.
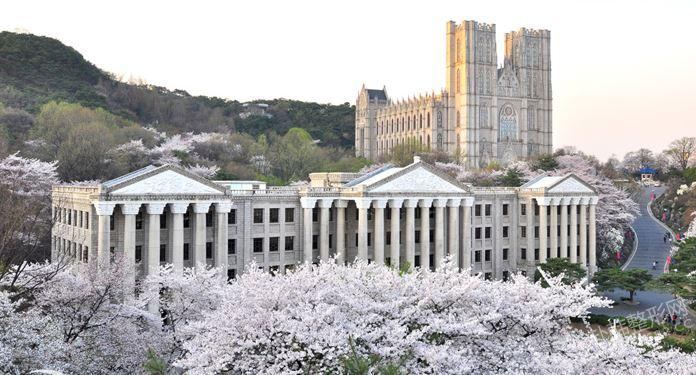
{"x":654,"y":265}
{"x":674,"y":319}
{"x":664,"y":239}
{"x":668,"y":319}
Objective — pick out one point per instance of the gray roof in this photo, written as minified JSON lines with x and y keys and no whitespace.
{"x":128,"y":176}
{"x":377,"y":94}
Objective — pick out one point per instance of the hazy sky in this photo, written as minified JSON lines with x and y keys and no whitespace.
{"x":623,"y":71}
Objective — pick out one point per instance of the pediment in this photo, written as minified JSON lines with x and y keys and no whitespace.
{"x":571,"y":184}
{"x":418,"y":179}
{"x":167,"y":180}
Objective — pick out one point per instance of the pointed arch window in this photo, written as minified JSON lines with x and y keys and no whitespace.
{"x":459,"y":89}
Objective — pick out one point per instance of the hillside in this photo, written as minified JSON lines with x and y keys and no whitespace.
{"x":35,"y":70}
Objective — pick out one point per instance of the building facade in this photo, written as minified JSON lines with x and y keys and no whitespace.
{"x":415,"y":215}
{"x":485,"y":112}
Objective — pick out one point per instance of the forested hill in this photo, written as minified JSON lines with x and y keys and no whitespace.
{"x":35,"y":70}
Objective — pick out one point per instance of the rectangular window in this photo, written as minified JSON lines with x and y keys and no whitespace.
{"x":505,"y":209}
{"x":289,"y":243}
{"x":488,"y":233}
{"x":477,"y":210}
{"x":523,"y":232}
{"x":506,"y":275}
{"x":231,"y":274}
{"x":387,"y":238}
{"x":315,"y":242}
{"x":477,"y":256}
{"x":432,"y":235}
{"x":488,"y":210}
{"x":163,"y":221}
{"x":536,"y":232}
{"x":369,"y":239}
{"x":417,"y":236}
{"x":209,"y":219}
{"x":477,"y":233}
{"x":315,"y":215}
{"x":418,"y":214}
{"x":506,"y":231}
{"x":290,"y":215}
{"x":505,"y":254}
{"x":330,"y":241}
{"x":86,"y":220}
{"x":138,"y":253}
{"x":431,"y":212}
{"x":331,"y":214}
{"x":231,"y":246}
{"x":232,"y":217}
{"x":536,"y":209}
{"x":187,"y":221}
{"x":536,"y":254}
{"x":187,"y":253}
{"x":273,"y":243}
{"x":523,"y":209}
{"x":487,"y":256}
{"x":523,"y":253}
{"x":208,"y":250}
{"x":387,"y":214}
{"x":163,"y":253}
{"x":112,"y":221}
{"x":258,"y":215}
{"x":69,"y":217}
{"x":488,"y":276}
{"x":273,"y":215}
{"x":258,"y":245}
{"x":139,"y":221}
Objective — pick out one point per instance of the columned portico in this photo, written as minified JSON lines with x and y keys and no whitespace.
{"x":200,"y":209}
{"x":395,"y":245}
{"x":222,"y":209}
{"x":307,"y":208}
{"x":466,"y":233}
{"x":574,"y":230}
{"x":453,"y":229}
{"x":583,"y":233}
{"x":409,"y":236}
{"x":104,"y":211}
{"x":154,"y":210}
{"x":341,"y":230}
{"x":324,"y":207}
{"x":378,"y":234}
{"x":425,"y":205}
{"x":176,"y":234}
{"x":439,"y":231}
{"x":363,"y":204}
{"x":129,"y":210}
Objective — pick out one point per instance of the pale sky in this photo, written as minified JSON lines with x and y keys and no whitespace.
{"x":623,"y":71}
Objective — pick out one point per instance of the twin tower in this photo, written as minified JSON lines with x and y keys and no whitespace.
{"x":485,"y":113}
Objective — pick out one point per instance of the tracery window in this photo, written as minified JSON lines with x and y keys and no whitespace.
{"x":508,"y":123}
{"x":483,"y":116}
{"x":439,"y":119}
{"x":531,"y":118}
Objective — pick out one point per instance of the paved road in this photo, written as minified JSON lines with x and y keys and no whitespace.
{"x":651,"y":247}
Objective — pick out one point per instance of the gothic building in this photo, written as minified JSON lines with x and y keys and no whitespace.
{"x":485,"y":112}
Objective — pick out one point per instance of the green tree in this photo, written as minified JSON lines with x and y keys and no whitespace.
{"x":154,"y":364}
{"x":572,"y":272}
{"x":294,"y":155}
{"x":512,"y":178}
{"x":402,"y":154}
{"x":546,"y":163}
{"x":631,"y":280}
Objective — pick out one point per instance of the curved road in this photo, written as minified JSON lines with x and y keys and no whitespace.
{"x":651,"y":247}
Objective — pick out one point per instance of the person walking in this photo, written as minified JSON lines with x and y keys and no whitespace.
{"x":654,"y":265}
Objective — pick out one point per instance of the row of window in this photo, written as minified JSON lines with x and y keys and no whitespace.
{"x":487,"y":255}
{"x":486,"y":209}
{"x":273,"y":215}
{"x":523,"y":231}
{"x":402,"y":124}
{"x":209,"y":220}
{"x":523,"y":253}
{"x":273,"y":244}
{"x":72,"y":217}
{"x":231,"y":250}
{"x":487,"y":232}
{"x":523,"y":210}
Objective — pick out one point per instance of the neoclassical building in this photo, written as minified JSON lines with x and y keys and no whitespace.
{"x":485,"y":112}
{"x":415,"y":214}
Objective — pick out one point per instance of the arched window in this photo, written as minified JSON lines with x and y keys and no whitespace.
{"x":439,"y":119}
{"x":420,"y":121}
{"x":428,"y":124}
{"x":458,"y":119}
{"x":459,"y":89}
{"x":428,"y":141}
{"x":414,"y":122}
{"x":508,"y":123}
{"x":459,"y":49}
{"x":439,"y":141}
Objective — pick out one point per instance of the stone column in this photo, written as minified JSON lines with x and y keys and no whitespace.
{"x":104,"y":212}
{"x":573,"y":231}
{"x":593,"y":236}
{"x":453,"y":242}
{"x":564,"y":228}
{"x":154,"y":210}
{"x":543,"y":236}
{"x":129,"y":211}
{"x":395,"y":247}
{"x":324,"y":207}
{"x":466,"y":234}
{"x":222,"y":209}
{"x":425,"y":233}
{"x":553,"y":242}
{"x":200,"y":209}
{"x":176,"y":235}
{"x":307,"y":208}
{"x":530,"y":229}
{"x":341,"y":231}
{"x":439,"y":231}
{"x":583,"y":233}
{"x":363,"y":205}
{"x":378,"y":234}
{"x":410,"y":231}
